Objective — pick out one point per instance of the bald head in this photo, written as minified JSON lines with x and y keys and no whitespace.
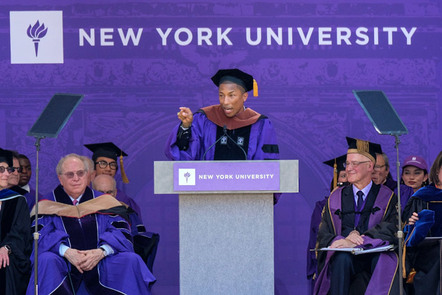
{"x":106,"y":184}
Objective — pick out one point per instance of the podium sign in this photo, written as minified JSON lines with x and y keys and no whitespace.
{"x":216,"y":176}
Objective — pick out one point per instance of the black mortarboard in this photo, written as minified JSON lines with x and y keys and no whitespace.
{"x":338,"y":166}
{"x":105,"y":149}
{"x":108,"y":150}
{"x":238,"y":77}
{"x":339,"y":161}
{"x":6,"y":156}
{"x":363,"y":147}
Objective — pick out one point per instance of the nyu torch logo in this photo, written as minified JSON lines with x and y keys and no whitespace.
{"x":36,"y":33}
{"x":186,"y":176}
{"x":44,"y":30}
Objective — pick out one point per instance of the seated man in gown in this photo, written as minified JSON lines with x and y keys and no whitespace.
{"x":85,"y":244}
{"x":362,"y":214}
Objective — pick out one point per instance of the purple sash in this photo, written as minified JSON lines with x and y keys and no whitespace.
{"x":382,"y":201}
{"x":386,"y":268}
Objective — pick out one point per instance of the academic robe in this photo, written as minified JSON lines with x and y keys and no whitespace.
{"x":123,"y":272}
{"x":424,"y":257}
{"x":123,"y":197}
{"x":145,"y":243}
{"x":252,"y":131}
{"x":378,"y":222}
{"x":312,"y":262}
{"x":406,"y":191}
{"x":30,"y":196}
{"x":15,"y":231}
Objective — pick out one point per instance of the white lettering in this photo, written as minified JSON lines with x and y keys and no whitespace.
{"x":407,"y":34}
{"x":222,"y":36}
{"x":376,"y":36}
{"x":187,"y":32}
{"x":290,"y":36}
{"x":204,"y":34}
{"x":390,"y":31}
{"x":130,"y":35}
{"x":305,"y":39}
{"x":343,"y":34}
{"x":271,"y":35}
{"x":106,"y":37}
{"x":362,"y":34}
{"x":164,"y":35}
{"x":224,"y":176}
{"x":89,"y":38}
{"x":258,"y":37}
{"x":323,"y":35}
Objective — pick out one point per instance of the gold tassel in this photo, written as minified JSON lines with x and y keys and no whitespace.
{"x":335,"y":174}
{"x":123,"y":173}
{"x":362,"y":146}
{"x":255,"y":88}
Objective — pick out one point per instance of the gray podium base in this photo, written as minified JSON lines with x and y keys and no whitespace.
{"x":226,"y":244}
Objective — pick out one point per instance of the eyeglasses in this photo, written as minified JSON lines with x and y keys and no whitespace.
{"x":12,"y":169}
{"x":3,"y":169}
{"x":354,"y":163}
{"x":379,"y":167}
{"x":110,"y":192}
{"x":103,"y":164}
{"x":70,"y":175}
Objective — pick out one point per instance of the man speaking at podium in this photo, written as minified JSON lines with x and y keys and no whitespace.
{"x":227,"y":131}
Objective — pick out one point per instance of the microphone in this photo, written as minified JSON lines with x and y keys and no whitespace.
{"x":225,"y":133}
{"x":221,"y":137}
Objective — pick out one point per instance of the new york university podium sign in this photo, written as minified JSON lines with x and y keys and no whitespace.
{"x":220,"y":175}
{"x":226,"y":221}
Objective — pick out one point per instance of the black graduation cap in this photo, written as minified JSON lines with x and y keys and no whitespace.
{"x":339,"y":162}
{"x":6,"y":156}
{"x":338,"y":165}
{"x":108,"y":150}
{"x":363,"y":147}
{"x":238,"y":77}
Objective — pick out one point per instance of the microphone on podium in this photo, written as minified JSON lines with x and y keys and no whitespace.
{"x":221,"y":137}
{"x":225,"y":133}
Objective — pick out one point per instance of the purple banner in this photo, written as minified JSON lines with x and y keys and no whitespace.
{"x":137,"y":62}
{"x":223,"y":176}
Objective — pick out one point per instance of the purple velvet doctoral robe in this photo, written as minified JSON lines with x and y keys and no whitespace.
{"x":204,"y":135}
{"x":123,"y":272}
{"x":378,"y":223}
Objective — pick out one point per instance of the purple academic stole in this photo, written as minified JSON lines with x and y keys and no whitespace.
{"x":382,"y":200}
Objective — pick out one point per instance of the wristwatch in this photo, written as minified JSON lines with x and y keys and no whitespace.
{"x":8,"y":248}
{"x":104,"y":251}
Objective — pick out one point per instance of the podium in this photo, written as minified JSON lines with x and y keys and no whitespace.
{"x":226,"y":237}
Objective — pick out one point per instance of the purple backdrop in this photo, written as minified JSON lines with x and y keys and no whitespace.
{"x":306,"y":65}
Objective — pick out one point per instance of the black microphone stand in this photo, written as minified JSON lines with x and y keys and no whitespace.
{"x":36,"y":235}
{"x":245,"y":154}
{"x":400,"y":233}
